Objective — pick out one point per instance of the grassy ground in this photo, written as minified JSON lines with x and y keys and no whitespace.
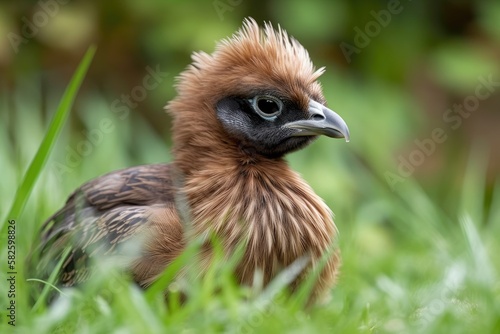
{"x":408,"y":265}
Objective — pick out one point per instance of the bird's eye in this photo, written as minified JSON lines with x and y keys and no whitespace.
{"x":267,"y":106}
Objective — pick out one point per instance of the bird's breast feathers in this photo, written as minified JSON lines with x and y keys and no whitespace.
{"x":270,"y":208}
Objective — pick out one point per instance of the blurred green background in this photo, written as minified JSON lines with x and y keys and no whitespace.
{"x":418,"y":83}
{"x":393,"y":85}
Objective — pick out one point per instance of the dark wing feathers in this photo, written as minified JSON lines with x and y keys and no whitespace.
{"x":101,"y":215}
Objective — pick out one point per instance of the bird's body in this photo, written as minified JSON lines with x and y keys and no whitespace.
{"x":237,"y":113}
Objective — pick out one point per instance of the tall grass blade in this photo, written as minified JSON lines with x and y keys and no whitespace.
{"x":485,"y":272}
{"x":474,"y":184}
{"x":35,"y":168}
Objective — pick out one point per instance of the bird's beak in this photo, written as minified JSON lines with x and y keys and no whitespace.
{"x":322,"y":121}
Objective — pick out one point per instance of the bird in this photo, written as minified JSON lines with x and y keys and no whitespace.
{"x":237,"y":113}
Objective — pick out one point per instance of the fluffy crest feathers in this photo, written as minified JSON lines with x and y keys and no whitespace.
{"x":285,"y":51}
{"x":253,"y":58}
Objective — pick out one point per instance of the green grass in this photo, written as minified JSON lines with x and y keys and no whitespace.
{"x":409,"y":266}
{"x":38,"y":163}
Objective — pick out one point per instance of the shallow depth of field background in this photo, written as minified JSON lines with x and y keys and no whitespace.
{"x":415,"y":193}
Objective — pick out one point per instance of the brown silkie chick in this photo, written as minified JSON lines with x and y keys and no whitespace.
{"x":237,"y":113}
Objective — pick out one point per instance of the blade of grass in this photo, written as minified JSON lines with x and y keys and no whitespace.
{"x":173,"y":269}
{"x":281,"y":281}
{"x":475,"y":182}
{"x":485,"y":271}
{"x":35,"y":168}
{"x":494,"y":212}
{"x":50,"y":284}
{"x":302,"y":295}
{"x":46,"y":283}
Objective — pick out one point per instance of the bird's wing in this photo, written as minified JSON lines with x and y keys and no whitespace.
{"x":102,"y":215}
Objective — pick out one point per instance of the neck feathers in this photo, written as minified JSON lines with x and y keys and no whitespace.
{"x":265,"y":205}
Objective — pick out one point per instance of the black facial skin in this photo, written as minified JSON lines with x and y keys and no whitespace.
{"x":258,"y":134}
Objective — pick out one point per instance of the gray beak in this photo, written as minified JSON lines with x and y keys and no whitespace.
{"x":322,"y":121}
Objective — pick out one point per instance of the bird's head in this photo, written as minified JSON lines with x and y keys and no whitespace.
{"x":258,"y":91}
